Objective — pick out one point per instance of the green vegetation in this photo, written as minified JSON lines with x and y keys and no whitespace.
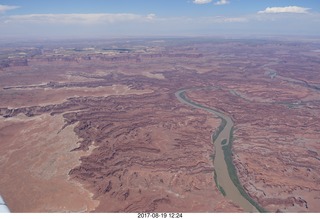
{"x":212,"y":157}
{"x":222,"y":190}
{"x":216,"y":178}
{"x":183,"y":96}
{"x":233,"y":173}
{"x":217,"y":184}
{"x":224,"y":141}
{"x":219,"y":130}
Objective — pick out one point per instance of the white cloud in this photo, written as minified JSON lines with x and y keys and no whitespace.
{"x":221,"y":19}
{"x":201,"y":1}
{"x":4,"y":8}
{"x":78,"y":18}
{"x":222,"y":2}
{"x":288,"y":9}
{"x":234,"y":19}
{"x":151,"y":16}
{"x":130,"y":24}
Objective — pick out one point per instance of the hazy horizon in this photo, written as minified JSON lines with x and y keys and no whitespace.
{"x":35,"y":19}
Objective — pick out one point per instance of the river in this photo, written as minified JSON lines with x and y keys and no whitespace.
{"x":220,"y":140}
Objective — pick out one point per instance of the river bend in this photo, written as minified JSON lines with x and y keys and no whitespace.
{"x":221,"y":138}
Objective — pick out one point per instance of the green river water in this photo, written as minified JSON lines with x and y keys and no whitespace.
{"x":231,"y":188}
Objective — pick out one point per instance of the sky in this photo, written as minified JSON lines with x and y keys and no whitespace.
{"x":114,"y":18}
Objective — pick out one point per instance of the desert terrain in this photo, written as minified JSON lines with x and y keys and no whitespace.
{"x":96,"y":126}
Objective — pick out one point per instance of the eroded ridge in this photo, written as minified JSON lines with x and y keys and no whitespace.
{"x":134,"y":147}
